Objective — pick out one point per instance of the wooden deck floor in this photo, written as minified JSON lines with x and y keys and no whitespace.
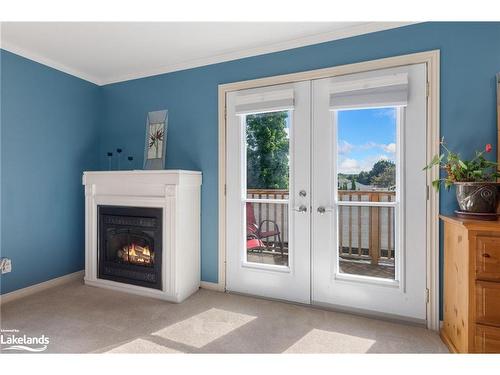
{"x":363,"y":268}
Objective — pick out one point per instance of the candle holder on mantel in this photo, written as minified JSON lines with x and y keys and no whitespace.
{"x":110,"y":160}
{"x":119,"y":152}
{"x":130,"y":162}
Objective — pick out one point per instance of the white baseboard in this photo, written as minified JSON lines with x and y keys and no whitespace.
{"x":20,"y":293}
{"x":212,"y":286}
{"x":17,"y":294}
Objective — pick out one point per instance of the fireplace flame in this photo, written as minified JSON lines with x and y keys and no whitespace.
{"x":136,"y":254}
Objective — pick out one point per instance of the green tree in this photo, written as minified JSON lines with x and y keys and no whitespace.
{"x":379,"y":167}
{"x":267,"y":151}
{"x":364,"y":178}
{"x":382,"y":174}
{"x":353,"y":183}
{"x":386,"y":178}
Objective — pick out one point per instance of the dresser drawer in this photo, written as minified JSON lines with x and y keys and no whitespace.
{"x":487,"y":339}
{"x":488,"y":303}
{"x":488,"y":258}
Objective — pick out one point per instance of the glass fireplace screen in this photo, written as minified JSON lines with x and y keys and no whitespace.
{"x":128,"y":247}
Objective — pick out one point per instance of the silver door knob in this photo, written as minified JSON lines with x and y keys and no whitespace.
{"x":302,"y":193}
{"x":322,"y":210}
{"x":301,"y":209}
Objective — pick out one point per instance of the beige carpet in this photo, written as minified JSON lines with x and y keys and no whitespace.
{"x":83,"y":319}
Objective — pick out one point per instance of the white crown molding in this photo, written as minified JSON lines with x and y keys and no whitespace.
{"x":347,"y":32}
{"x":7,"y":46}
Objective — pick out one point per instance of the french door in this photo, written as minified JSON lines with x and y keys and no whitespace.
{"x":268,"y":192}
{"x":326,"y":197}
{"x":369,"y":237}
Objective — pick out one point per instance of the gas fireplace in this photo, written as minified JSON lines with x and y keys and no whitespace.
{"x":130,"y":245}
{"x":142,"y":232}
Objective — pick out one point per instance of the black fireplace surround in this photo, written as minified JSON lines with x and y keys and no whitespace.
{"x":130,"y":245}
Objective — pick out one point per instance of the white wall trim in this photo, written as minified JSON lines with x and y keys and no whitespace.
{"x":346,"y":32}
{"x":24,"y":292}
{"x":221,"y":279}
{"x":433,"y":148}
{"x":431,"y":58}
{"x":49,"y":62}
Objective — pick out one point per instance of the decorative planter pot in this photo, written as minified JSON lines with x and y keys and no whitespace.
{"x":478,"y":199}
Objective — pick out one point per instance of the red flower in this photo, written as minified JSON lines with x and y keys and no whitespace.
{"x":488,"y":147}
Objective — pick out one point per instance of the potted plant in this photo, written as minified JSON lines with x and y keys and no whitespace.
{"x":475,"y":182}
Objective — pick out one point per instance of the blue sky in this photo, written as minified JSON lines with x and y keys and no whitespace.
{"x":365,"y":136}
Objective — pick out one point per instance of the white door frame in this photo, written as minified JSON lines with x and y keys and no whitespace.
{"x":431,"y":58}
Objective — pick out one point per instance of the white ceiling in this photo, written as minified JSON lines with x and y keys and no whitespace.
{"x":107,"y":52}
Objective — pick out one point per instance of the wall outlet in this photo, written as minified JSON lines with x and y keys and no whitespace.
{"x":5,"y":265}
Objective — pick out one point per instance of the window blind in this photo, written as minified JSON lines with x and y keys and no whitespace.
{"x":262,"y":100}
{"x":380,"y":91}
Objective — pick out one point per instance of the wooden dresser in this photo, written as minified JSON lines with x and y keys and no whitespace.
{"x":471,"y":308}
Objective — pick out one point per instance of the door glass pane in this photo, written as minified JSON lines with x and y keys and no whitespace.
{"x":267,"y":150}
{"x":267,"y":178}
{"x":366,"y":164}
{"x":267,"y":233}
{"x":367,"y":241}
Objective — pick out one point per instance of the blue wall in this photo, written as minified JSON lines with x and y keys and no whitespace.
{"x":66,"y":124}
{"x":49,"y":124}
{"x":470,"y":57}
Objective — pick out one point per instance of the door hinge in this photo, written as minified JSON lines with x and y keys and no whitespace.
{"x":427,"y":192}
{"x":427,"y":89}
{"x":225,"y":189}
{"x":427,"y":295}
{"x":225,"y":112}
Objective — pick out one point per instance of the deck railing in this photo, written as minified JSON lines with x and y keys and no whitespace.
{"x":365,"y":233}
{"x":277,"y":213}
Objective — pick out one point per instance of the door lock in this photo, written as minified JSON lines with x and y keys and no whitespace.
{"x":322,"y":210}
{"x":301,"y":209}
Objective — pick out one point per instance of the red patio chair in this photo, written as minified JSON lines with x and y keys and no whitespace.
{"x":255,"y":244}
{"x":255,"y":233}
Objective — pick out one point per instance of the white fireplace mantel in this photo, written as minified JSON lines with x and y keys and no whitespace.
{"x":177,"y":192}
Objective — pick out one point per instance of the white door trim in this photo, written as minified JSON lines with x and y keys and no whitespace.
{"x":431,"y":58}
